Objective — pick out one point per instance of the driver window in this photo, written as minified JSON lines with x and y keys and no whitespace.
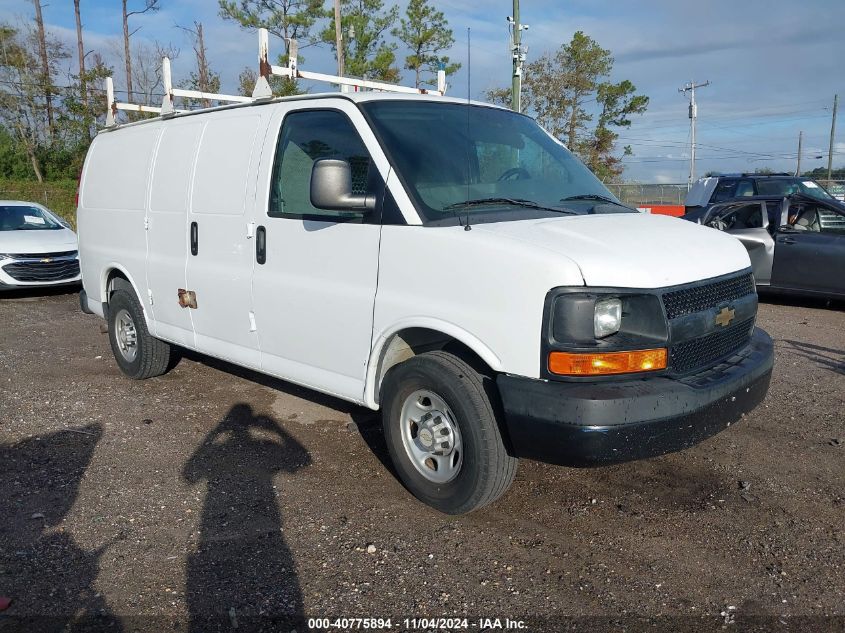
{"x":305,"y":138}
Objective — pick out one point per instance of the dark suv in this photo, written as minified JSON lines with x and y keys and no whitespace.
{"x":715,"y":189}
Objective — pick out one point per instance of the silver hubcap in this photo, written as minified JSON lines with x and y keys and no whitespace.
{"x":431,"y":436}
{"x":126,"y":336}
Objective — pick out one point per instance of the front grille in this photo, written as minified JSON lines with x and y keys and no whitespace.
{"x":43,"y":255}
{"x":697,"y":298}
{"x":703,"y":351}
{"x":43,"y":271}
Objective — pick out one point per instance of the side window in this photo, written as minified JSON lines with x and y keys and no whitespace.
{"x":738,"y":217}
{"x":744,"y":188}
{"x":724,"y":190}
{"x":305,"y":138}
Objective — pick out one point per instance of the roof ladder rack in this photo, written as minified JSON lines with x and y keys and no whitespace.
{"x":266,"y":69}
{"x":262,"y":89}
{"x":167,"y":108}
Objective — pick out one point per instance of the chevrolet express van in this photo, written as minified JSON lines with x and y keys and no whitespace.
{"x":448,"y":263}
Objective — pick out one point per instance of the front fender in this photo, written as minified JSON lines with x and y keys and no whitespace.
{"x":373,"y":379}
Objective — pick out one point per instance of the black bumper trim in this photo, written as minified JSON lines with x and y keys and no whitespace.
{"x":592,"y":424}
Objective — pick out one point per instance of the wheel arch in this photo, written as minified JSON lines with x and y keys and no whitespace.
{"x":113,"y":277}
{"x":412,"y":337}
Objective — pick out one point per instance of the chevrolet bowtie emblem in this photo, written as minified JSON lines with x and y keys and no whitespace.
{"x":46,"y":260}
{"x":725,"y":316}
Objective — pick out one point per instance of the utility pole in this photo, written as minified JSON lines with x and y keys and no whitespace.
{"x":338,"y":37}
{"x":832,"y":134}
{"x":693,"y":114}
{"x":518,"y":57}
{"x":800,"y":142}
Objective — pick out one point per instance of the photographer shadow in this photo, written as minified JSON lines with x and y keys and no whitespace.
{"x":49,"y":577}
{"x":242,"y":574}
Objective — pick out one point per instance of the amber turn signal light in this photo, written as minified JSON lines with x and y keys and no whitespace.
{"x":587,"y":364}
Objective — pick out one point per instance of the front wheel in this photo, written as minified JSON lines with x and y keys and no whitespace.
{"x":440,"y":424}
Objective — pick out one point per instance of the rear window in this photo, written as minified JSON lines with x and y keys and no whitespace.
{"x":20,"y":218}
{"x":789,"y":186}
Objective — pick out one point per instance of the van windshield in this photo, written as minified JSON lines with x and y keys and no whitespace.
{"x":467,"y":159}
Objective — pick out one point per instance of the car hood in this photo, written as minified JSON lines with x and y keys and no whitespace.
{"x":631,"y":250}
{"x":40,"y":241}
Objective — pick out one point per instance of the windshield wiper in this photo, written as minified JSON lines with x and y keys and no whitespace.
{"x":516,"y":202}
{"x":591,"y":196}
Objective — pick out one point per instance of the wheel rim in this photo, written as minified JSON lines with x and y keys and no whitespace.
{"x":431,"y":436}
{"x":126,"y":335}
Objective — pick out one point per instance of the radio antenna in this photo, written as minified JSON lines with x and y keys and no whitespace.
{"x":467,"y":227}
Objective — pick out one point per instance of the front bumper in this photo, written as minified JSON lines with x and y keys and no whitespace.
{"x":598,"y":423}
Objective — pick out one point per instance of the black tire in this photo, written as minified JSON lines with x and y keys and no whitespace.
{"x":487,"y":469}
{"x":152,"y":356}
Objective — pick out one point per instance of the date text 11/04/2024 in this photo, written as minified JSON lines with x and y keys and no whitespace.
{"x":411,"y":624}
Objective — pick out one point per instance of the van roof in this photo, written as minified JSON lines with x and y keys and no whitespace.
{"x":355,"y":97}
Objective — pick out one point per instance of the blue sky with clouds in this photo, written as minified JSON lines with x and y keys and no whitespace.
{"x":774,"y":66}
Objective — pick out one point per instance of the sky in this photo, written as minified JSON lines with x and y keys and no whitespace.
{"x":774,"y":66}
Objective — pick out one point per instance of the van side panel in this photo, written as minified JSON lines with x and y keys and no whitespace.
{"x":220,"y":273}
{"x":112,"y":203}
{"x":167,"y":237}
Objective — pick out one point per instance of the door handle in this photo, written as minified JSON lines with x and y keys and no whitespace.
{"x":195,"y":246}
{"x":261,"y":245}
{"x":787,"y":240}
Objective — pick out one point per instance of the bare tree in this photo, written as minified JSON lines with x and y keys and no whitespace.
{"x":149,"y":5}
{"x":83,"y":90}
{"x":204,"y":79}
{"x":45,"y":64}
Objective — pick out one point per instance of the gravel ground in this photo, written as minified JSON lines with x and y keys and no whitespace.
{"x":214,"y":498}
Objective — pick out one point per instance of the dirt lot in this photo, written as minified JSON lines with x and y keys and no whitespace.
{"x":216,"y":499}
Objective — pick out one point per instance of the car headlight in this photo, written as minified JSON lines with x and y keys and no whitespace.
{"x":5,"y":256}
{"x":602,"y":331}
{"x":607,"y":318}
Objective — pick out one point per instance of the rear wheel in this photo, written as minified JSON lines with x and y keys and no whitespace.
{"x":440,"y":424}
{"x":138,"y":354}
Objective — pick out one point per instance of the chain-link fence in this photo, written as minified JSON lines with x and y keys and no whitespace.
{"x":646,"y":194}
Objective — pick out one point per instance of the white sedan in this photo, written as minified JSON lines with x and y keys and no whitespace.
{"x":37,"y":247}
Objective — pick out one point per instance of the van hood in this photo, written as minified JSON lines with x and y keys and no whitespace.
{"x":631,"y":250}
{"x":40,"y":241}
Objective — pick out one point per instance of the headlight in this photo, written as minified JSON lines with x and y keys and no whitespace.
{"x":4,"y":256}
{"x":585,"y":333}
{"x":607,"y":318}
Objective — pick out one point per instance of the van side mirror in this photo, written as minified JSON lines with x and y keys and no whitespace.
{"x":331,"y":188}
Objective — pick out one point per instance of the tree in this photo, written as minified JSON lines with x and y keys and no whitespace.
{"x":25,"y":92}
{"x":45,"y":76}
{"x":287,"y":19}
{"x":83,"y":92}
{"x":203,"y":78}
{"x":367,"y":54}
{"x":425,"y":31}
{"x":149,"y":5}
{"x":559,"y":90}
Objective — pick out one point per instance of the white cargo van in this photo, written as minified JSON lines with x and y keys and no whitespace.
{"x":449,"y":263}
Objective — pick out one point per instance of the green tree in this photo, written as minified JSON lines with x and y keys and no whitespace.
{"x":365,"y":25}
{"x":287,"y":19}
{"x":425,"y":31}
{"x":559,"y":90}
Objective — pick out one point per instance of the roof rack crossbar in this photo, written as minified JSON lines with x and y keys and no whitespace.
{"x":262,"y":89}
{"x":292,"y":70}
